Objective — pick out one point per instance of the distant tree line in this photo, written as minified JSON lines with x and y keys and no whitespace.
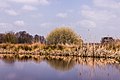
{"x":21,"y":38}
{"x":62,"y":35}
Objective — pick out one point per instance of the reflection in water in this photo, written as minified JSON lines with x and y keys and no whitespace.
{"x":60,"y":64}
{"x":32,"y":67}
{"x":22,"y":58}
{"x":8,"y":60}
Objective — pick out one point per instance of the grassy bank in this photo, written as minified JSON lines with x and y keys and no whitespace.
{"x":96,"y":51}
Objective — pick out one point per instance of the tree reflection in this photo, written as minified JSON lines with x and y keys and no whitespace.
{"x":11,"y":59}
{"x":8,"y":59}
{"x":60,"y":64}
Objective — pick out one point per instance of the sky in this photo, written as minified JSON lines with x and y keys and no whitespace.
{"x":91,"y":19}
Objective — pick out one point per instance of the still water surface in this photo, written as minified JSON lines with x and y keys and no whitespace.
{"x":59,"y":69}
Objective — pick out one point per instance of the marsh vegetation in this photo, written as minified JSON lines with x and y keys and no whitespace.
{"x":59,"y":42}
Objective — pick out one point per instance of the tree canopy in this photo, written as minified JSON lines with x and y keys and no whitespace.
{"x":63,"y":35}
{"x":20,"y":38}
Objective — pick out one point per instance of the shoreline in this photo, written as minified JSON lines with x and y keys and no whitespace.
{"x":37,"y":55}
{"x":93,"y":51}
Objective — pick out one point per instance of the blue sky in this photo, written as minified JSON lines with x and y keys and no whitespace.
{"x":92,"y":19}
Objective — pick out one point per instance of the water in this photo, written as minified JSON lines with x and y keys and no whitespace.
{"x":62,"y":68}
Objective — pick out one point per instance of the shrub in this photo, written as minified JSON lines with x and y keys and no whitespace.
{"x":63,"y":35}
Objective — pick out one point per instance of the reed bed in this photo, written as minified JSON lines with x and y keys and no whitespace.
{"x":98,"y":51}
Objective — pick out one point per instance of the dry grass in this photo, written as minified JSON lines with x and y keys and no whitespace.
{"x":115,"y":46}
{"x":21,"y":47}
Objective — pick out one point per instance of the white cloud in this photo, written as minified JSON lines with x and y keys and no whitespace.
{"x":33,"y":2}
{"x":29,"y":8}
{"x":44,"y":2}
{"x":62,"y":15}
{"x":107,"y":3}
{"x":98,"y":15}
{"x":19,"y":23}
{"x":26,"y":1}
{"x":11,"y":12}
{"x":4,"y":25}
{"x":102,"y":17}
{"x":4,"y":5}
{"x":87,"y":23}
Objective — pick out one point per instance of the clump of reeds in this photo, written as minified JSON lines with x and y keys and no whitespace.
{"x":115,"y":46}
{"x":19,"y":47}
